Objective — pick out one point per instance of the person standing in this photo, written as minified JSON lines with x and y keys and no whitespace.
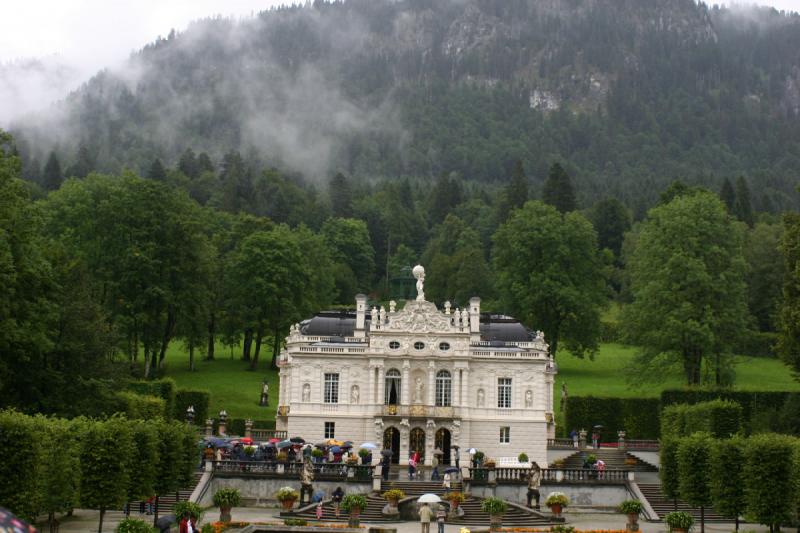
{"x":534,"y":480}
{"x":596,"y":439}
{"x":574,"y":436}
{"x":412,"y":467}
{"x":446,"y":481}
{"x":385,"y":465}
{"x":425,"y":515}
{"x":337,"y":496}
{"x":187,"y":524}
{"x":319,"y":511}
{"x":435,"y":464}
{"x":441,"y":514}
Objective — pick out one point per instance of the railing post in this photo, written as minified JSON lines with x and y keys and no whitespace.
{"x":209,"y":427}
{"x":248,"y":427}
{"x":621,"y":441}
{"x":582,"y":436}
{"x":223,"y":417}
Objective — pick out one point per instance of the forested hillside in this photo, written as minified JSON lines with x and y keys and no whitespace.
{"x":628,"y":95}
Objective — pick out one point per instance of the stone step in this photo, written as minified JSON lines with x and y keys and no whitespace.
{"x":661,"y":505}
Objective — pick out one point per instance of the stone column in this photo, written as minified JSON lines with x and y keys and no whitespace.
{"x":406,"y":378}
{"x":369,"y":396}
{"x":223,"y":418}
{"x":380,"y":385}
{"x":431,"y":383}
{"x":248,"y":427}
{"x":209,"y":427}
{"x":465,"y":401}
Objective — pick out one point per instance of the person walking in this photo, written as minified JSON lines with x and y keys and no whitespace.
{"x":412,"y":467}
{"x":435,"y":471}
{"x":596,"y":439}
{"x":385,"y":465}
{"x":319,"y":511}
{"x":574,"y":436}
{"x":425,"y":515}
{"x":441,"y":514}
{"x":337,"y":496}
{"x":534,"y":480}
{"x":446,"y":481}
{"x":187,"y":524}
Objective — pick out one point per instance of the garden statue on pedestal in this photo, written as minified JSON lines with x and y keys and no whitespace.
{"x":306,"y":480}
{"x":264,"y":394}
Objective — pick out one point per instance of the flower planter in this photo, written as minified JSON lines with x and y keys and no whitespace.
{"x":224,"y":514}
{"x":633,"y":522}
{"x":355,"y":517}
{"x":287,"y":504}
{"x":495,"y":522}
{"x":556,"y":509}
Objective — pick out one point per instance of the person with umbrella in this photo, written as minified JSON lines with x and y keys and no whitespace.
{"x":425,"y":515}
{"x":337,"y":496}
{"x":187,"y":523}
{"x":596,"y":437}
{"x":435,"y":463}
{"x":385,"y":464}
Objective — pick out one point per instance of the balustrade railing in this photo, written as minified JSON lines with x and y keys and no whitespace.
{"x":274,"y":469}
{"x":560,"y":444}
{"x":266,"y":434}
{"x":519,"y":476}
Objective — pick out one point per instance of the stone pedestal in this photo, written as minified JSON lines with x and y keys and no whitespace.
{"x":248,"y":428}
{"x":209,"y":427}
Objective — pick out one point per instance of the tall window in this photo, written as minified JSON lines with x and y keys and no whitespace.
{"x":331,"y":388}
{"x":391,"y":394}
{"x":330,"y":430}
{"x":444,"y":389}
{"x":505,"y":435}
{"x":504,"y":393}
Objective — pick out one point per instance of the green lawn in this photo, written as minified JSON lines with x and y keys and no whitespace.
{"x":237,"y":389}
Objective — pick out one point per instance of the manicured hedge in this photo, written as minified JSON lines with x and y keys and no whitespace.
{"x":639,"y":417}
{"x":200,"y":399}
{"x":761,"y":411}
{"x":720,"y":418}
{"x":140,"y":406}
{"x":163,"y":388}
{"x":235,"y":426}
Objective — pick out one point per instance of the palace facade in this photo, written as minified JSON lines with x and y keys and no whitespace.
{"x":419,"y":378}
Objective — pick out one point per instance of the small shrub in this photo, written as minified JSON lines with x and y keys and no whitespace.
{"x":207,"y":528}
{"x":286,"y":493}
{"x":227,"y":498}
{"x":195,"y":511}
{"x":316,"y":452}
{"x":630,"y":507}
{"x":454,"y":496}
{"x":133,"y":525}
{"x":679,"y":520}
{"x":394,"y":494}
{"x":363,"y":452}
{"x":282,"y":457}
{"x":479,"y":456}
{"x":352,"y":502}
{"x":557,"y":498}
{"x":295,"y":522}
{"x":523,"y":457}
{"x":493,"y":506}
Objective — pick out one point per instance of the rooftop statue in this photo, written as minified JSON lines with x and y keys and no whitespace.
{"x":419,"y":273}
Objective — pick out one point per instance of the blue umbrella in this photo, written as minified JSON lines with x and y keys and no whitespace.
{"x":216,"y":441}
{"x":336,"y":449}
{"x":451,"y":470}
{"x":284,"y":444}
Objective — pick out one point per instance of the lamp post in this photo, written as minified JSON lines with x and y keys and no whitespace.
{"x":190,"y":414}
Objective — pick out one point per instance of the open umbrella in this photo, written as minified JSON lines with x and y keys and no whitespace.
{"x":216,"y":441}
{"x":333,"y":442}
{"x":269,"y":445}
{"x":347,"y":444}
{"x":598,"y":426}
{"x":429,"y":498}
{"x":164,"y":522}
{"x":368,"y":446}
{"x":437,"y":451}
{"x":472,"y":450}
{"x":298,"y":440}
{"x":246,"y":440}
{"x":274,"y":440}
{"x":386,"y":453}
{"x":335,"y":450}
{"x":284,"y":444}
{"x":12,"y":524}
{"x":451,"y":470}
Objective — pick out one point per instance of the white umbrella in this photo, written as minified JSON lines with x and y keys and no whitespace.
{"x":472,"y":450}
{"x":429,"y":498}
{"x":368,"y":446}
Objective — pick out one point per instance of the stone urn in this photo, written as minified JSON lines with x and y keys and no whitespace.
{"x":556,"y":509}
{"x":495,"y":522}
{"x":287,"y":504}
{"x":633,"y":522}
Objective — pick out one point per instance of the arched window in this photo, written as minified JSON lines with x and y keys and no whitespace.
{"x":391,"y":395}
{"x":444,"y":392}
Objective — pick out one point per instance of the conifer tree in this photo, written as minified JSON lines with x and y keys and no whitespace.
{"x":341,"y":196}
{"x":744,"y":207}
{"x":188,"y":164}
{"x":83,"y":165}
{"x":52,"y":176}
{"x":157,"y":171}
{"x":728,"y":195}
{"x":558,"y":190}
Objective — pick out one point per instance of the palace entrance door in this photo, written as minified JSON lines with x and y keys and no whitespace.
{"x":391,"y":441}
{"x":416,"y":442}
{"x":442,"y":441}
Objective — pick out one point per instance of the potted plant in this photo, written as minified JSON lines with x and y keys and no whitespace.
{"x":130,"y":525}
{"x":679,"y":521}
{"x":225,"y":499}
{"x":556,"y":501}
{"x":478,"y":457}
{"x":632,"y":508}
{"x":558,"y":463}
{"x":365,"y":456}
{"x":522,"y":458}
{"x":495,"y":507}
{"x":456,"y":499}
{"x":194,"y":510}
{"x":287,"y":496}
{"x":630,"y":461}
{"x":354,"y":504}
{"x":352,"y":460}
{"x":317,"y":454}
{"x":393,"y":496}
{"x":489,"y":463}
{"x":282,"y":457}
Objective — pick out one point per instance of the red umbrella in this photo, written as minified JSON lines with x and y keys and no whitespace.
{"x":246,"y":440}
{"x":273,"y":440}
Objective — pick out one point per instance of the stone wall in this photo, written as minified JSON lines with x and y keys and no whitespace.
{"x":261,"y":491}
{"x":596,"y":497}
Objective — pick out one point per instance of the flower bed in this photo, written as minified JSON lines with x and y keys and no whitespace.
{"x":219,"y":527}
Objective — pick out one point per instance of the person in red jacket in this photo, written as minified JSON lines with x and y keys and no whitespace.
{"x":187,"y":524}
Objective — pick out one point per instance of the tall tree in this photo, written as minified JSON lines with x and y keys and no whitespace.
{"x":446,"y":194}
{"x":341,"y":196}
{"x":694,"y":462}
{"x":687,"y":280}
{"x":789,"y":318}
{"x":611,"y":220}
{"x":83,"y":165}
{"x":52,"y":176}
{"x":765,"y":273}
{"x":728,"y":196}
{"x":558,"y":190}
{"x":348,"y":240}
{"x":157,"y":172}
{"x":549,"y":274}
{"x":188,"y":164}
{"x":744,"y":206}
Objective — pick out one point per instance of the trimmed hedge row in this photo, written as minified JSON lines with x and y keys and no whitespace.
{"x":199,"y":399}
{"x":163,"y":388}
{"x":761,"y":411}
{"x":720,"y":418}
{"x":141,"y":406}
{"x":235,"y":426}
{"x":639,"y":417}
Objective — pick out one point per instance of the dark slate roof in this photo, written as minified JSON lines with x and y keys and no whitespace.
{"x":500,"y":328}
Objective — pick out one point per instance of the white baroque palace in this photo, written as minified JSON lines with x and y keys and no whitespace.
{"x":419,"y":379}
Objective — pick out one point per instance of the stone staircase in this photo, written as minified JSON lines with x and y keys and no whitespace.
{"x":515,"y":516}
{"x":661,"y":505}
{"x":614,"y":459}
{"x":166,"y":502}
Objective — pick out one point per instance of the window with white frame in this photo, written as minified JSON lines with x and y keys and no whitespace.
{"x":504,"y":393}
{"x":444,"y":389}
{"x":505,"y":435}
{"x":331,"y":388}
{"x":330,"y":430}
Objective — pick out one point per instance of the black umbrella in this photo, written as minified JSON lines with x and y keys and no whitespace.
{"x":323,"y":444}
{"x":451,"y":470}
{"x":347,"y":445}
{"x":298,"y":440}
{"x":11,"y":524}
{"x":164,"y":522}
{"x":387,"y":453}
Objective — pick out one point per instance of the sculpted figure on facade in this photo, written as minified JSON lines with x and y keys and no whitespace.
{"x":480,"y":397}
{"x":418,"y":390}
{"x":392,"y":306}
{"x":306,"y":392}
{"x":354,"y":394}
{"x":528,"y":398}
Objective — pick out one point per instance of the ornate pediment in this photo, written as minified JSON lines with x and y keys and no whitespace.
{"x":420,"y":317}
